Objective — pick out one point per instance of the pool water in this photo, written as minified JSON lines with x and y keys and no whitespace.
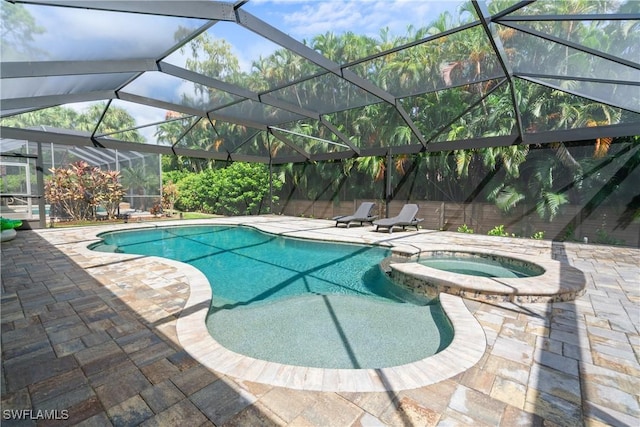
{"x":245,"y":266}
{"x":481,"y":266}
{"x":297,"y":301}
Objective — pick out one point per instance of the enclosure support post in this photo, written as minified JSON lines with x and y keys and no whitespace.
{"x":270,"y":176}
{"x":388,"y":196}
{"x":270,"y":187}
{"x":40,"y":184}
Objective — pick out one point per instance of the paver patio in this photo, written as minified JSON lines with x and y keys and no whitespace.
{"x":93,"y":336}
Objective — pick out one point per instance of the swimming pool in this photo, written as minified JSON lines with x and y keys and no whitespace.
{"x":297,"y":301}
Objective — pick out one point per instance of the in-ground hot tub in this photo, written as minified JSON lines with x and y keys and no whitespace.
{"x":487,"y":275}
{"x":480,"y":264}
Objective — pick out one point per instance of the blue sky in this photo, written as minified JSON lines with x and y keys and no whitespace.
{"x":304,"y":19}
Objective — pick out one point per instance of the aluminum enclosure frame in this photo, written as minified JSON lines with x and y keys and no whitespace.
{"x":214,"y":12}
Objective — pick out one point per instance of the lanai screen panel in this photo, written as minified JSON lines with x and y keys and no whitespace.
{"x":622,"y":39}
{"x":311,"y":94}
{"x":536,"y":55}
{"x":242,"y":58}
{"x":171,"y":89}
{"x":312,"y":137}
{"x":462,"y":57}
{"x":69,"y":33}
{"x":31,"y":87}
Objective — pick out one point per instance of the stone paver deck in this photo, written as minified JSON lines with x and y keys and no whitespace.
{"x":104,"y":339}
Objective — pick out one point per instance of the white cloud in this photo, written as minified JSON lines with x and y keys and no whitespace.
{"x":305,"y":19}
{"x":318,"y":18}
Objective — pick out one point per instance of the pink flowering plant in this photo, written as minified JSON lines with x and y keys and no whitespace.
{"x":80,"y":188}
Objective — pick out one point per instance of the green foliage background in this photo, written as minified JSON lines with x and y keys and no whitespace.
{"x":238,"y":189}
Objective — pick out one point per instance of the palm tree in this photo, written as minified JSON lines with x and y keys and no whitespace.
{"x":58,"y":116}
{"x":136,"y":180}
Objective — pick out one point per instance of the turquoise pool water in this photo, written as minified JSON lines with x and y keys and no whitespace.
{"x":296,"y":301}
{"x":245,"y":266}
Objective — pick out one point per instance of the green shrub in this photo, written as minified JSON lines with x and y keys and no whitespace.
{"x":465,"y":229}
{"x":498,"y":230}
{"x":239,"y":189}
{"x":197,"y":192}
{"x":604,"y":238}
{"x":242,"y":189}
{"x":538,"y":235}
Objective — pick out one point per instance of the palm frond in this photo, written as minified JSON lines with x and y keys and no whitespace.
{"x":552,"y":202}
{"x":463,"y":159}
{"x":565,"y":157}
{"x":602,"y":147}
{"x":508,"y":198}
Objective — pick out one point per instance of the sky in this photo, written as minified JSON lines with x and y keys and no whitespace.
{"x":304,"y":19}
